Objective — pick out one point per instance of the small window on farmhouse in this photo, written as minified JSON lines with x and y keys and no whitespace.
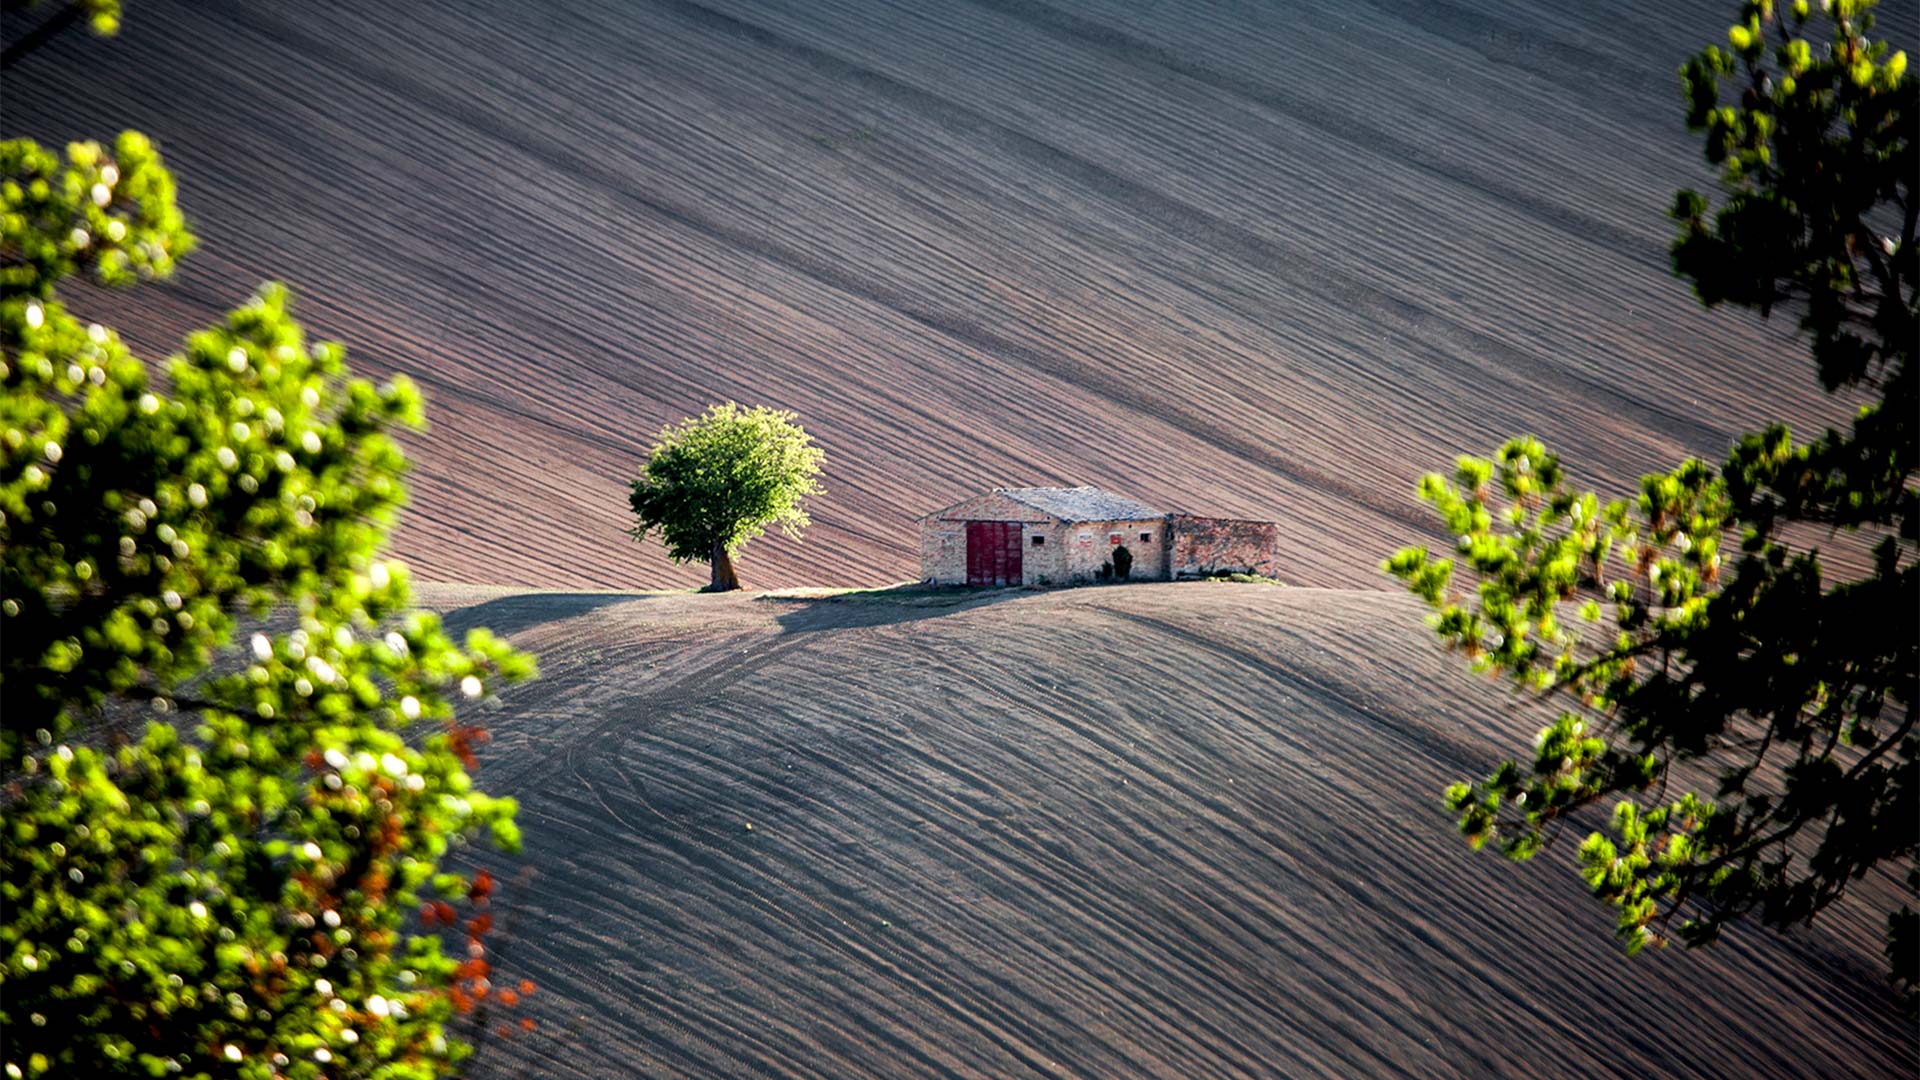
{"x":1113,"y":538}
{"x":1039,"y":541}
{"x":1146,"y":538}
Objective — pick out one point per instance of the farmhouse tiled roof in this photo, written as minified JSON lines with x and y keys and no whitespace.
{"x":1082,"y":504}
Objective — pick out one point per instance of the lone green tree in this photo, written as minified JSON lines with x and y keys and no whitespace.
{"x":212,"y":853}
{"x":1750,"y":720}
{"x":715,"y":481}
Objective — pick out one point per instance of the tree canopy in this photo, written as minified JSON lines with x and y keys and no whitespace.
{"x":715,"y":481}
{"x":213,"y":854}
{"x":1750,"y":719}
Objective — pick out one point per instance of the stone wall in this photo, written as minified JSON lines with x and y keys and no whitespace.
{"x":1089,"y":544}
{"x":1046,"y":564}
{"x":1204,"y":546}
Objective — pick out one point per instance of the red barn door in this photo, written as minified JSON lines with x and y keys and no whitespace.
{"x":1010,"y":563}
{"x":993,"y":553}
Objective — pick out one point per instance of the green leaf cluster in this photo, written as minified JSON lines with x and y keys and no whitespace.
{"x":212,"y":847}
{"x":109,"y":213}
{"x":1692,"y":633}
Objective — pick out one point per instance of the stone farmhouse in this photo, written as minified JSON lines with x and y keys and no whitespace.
{"x":1059,"y":536}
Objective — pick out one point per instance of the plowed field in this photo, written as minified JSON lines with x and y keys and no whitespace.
{"x":1261,"y":260}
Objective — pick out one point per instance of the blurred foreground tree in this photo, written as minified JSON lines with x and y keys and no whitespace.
{"x":716,"y":481}
{"x":212,"y":855}
{"x":1680,"y":661}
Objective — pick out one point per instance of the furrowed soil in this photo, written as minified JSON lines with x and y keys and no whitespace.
{"x":1152,"y":830}
{"x":1273,"y":260}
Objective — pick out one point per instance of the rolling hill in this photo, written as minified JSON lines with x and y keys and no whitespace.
{"x":1268,"y":260}
{"x":1153,"y":830}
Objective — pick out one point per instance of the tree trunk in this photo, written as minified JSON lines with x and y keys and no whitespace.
{"x":724,"y":579}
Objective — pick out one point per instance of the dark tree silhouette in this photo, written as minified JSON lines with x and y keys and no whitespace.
{"x":1692,"y":634}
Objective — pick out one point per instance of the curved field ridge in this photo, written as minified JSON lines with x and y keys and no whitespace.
{"x":1160,"y":830}
{"x":1270,"y":260}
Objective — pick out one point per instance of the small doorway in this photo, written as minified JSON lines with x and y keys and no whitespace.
{"x":993,"y":553}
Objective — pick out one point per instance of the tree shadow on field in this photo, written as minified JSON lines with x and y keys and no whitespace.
{"x":509,"y":615}
{"x":855,"y":608}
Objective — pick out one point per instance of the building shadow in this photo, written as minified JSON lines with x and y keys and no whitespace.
{"x":509,"y":615}
{"x":882,"y":607}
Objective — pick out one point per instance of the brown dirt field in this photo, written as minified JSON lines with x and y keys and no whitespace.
{"x":1254,"y":259}
{"x":1153,"y":830}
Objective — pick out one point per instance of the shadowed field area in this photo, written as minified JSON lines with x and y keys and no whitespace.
{"x":1258,"y":259}
{"x":1159,"y":830}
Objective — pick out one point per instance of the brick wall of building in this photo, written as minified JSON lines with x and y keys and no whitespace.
{"x":1046,"y":564}
{"x":1183,"y":546}
{"x":1069,"y":551}
{"x":1204,"y":546}
{"x":1089,"y":544}
{"x":943,"y":537}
